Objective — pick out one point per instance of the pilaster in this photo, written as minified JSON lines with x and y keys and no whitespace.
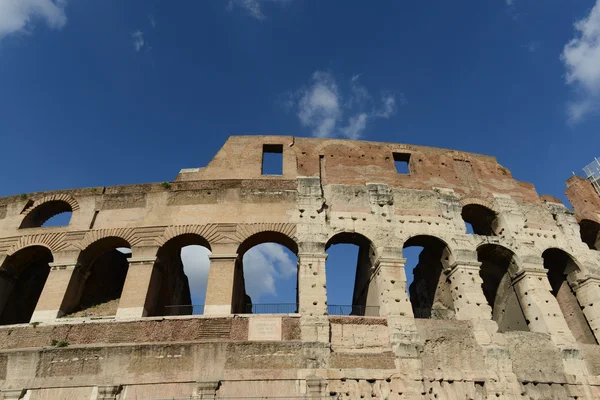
{"x":467,"y":295}
{"x":220,"y":285}
{"x":139,"y":288}
{"x":51,"y":304}
{"x":588,"y":296}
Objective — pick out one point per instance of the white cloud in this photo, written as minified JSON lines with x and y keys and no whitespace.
{"x":263,"y":266}
{"x":356,"y":126}
{"x":138,"y":40}
{"x":253,"y":7}
{"x":18,"y":16}
{"x":195,"y":266}
{"x":321,"y":106}
{"x":581,"y":57}
{"x":152,"y":20}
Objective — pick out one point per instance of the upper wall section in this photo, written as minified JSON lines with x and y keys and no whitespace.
{"x":584,"y":198}
{"x":353,"y":162}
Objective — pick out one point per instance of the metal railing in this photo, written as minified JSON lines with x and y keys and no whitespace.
{"x":354,"y":309}
{"x":433,"y":313}
{"x":188,"y":309}
{"x":273,"y":308}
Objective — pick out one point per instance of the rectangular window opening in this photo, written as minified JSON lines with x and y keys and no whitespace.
{"x":401,"y":160}
{"x":272,"y":160}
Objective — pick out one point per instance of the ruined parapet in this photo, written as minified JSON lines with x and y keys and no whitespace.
{"x":505,"y":300}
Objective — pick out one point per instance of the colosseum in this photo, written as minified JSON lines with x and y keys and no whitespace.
{"x":509,"y":309}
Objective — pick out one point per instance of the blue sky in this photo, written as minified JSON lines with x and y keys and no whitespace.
{"x":107,"y":92}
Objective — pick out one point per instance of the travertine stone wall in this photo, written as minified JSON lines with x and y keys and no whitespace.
{"x":484,"y":320}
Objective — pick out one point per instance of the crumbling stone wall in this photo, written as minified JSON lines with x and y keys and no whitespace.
{"x":510,"y":311}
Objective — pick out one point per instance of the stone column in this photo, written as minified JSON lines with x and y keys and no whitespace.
{"x":51,"y":304}
{"x":220,"y":285}
{"x":390,"y":279}
{"x":540,"y":307}
{"x":312,"y":293}
{"x":587,"y":292}
{"x":139,"y":290}
{"x":467,"y":294}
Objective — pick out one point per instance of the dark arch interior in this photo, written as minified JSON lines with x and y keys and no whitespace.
{"x":96,"y":285}
{"x":356,"y":258}
{"x":23,"y":278}
{"x":497,"y":288}
{"x":429,"y":290}
{"x":480,"y":218}
{"x":44,"y":212}
{"x":173,"y":294}
{"x":559,"y":264}
{"x":590,"y":233}
{"x":286,"y":301}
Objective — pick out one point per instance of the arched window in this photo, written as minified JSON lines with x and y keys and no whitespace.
{"x":497,"y":288}
{"x":266,"y":279}
{"x":22,"y":280}
{"x":479,"y":220}
{"x":183,"y":263}
{"x":590,"y":233}
{"x":49,"y":213}
{"x":96,"y":285}
{"x":428,"y":288}
{"x":350,"y":287}
{"x":559,"y":264}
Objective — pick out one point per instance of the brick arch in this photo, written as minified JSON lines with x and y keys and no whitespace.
{"x":244,"y":231}
{"x":210,"y":232}
{"x":52,"y":241}
{"x":63,"y":197}
{"x":127,"y":234}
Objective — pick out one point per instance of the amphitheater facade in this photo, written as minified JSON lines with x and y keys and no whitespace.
{"x":509,"y":311}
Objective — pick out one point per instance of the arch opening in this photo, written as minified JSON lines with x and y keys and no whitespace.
{"x":559,"y":264}
{"x":351,"y":289}
{"x":51,"y":213}
{"x":97,"y":282}
{"x":480,"y":220}
{"x":21,"y":283}
{"x":590,"y":233}
{"x":497,"y":287}
{"x":428,"y":287}
{"x":266,"y":275}
{"x":182,"y":267}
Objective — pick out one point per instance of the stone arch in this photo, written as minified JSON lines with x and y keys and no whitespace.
{"x":498,"y":265}
{"x":98,"y":279}
{"x":259,"y":234}
{"x":481,"y":216}
{"x":52,"y":241}
{"x":22,"y":278}
{"x":210,"y":233}
{"x":173,"y":295}
{"x":40,"y":211}
{"x":430,"y":291}
{"x":365,"y":297}
{"x":590,"y":233}
{"x":561,"y":265}
{"x":126,"y":234}
{"x":245,"y":231}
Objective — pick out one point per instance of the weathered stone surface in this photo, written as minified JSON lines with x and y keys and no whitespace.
{"x":509,"y":311}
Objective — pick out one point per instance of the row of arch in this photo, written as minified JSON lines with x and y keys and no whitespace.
{"x":480,"y":219}
{"x":102,"y":267}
